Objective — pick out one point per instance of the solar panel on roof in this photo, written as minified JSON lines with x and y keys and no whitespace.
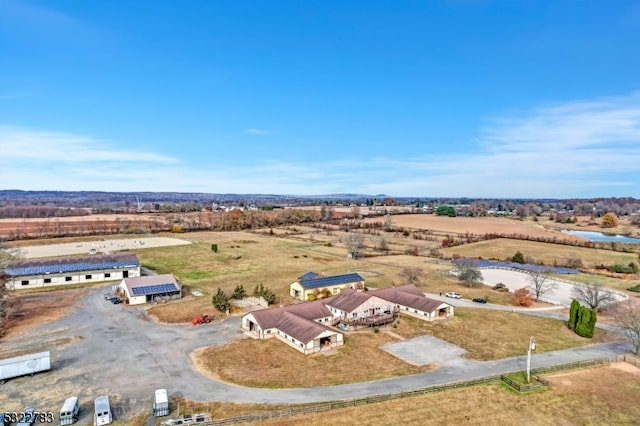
{"x":327,"y":281}
{"x":66,"y":267}
{"x":153,"y":289}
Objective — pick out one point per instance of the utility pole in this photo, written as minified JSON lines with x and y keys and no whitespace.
{"x":532,"y":347}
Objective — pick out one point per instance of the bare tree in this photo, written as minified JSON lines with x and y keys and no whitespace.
{"x":388,"y":222}
{"x":6,"y":258}
{"x":382,"y":245}
{"x":628,"y":318}
{"x":541,"y":284}
{"x":411,"y":274}
{"x":593,"y":295}
{"x":467,"y":271}
{"x":355,"y":244}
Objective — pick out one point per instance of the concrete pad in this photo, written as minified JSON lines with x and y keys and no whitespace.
{"x":424,"y":350}
{"x":560,"y":294}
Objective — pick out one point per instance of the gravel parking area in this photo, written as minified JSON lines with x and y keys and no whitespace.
{"x":424,"y":350}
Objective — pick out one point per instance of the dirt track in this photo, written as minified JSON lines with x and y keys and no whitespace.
{"x":102,"y":246}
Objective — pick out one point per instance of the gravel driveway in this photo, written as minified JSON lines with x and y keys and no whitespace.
{"x":116,"y":350}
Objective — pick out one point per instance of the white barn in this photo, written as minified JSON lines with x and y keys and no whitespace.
{"x":150,"y":288}
{"x":71,"y":270}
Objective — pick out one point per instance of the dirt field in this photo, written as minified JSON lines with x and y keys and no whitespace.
{"x":29,"y":310}
{"x":71,"y":225}
{"x":475,"y":225}
{"x":550,"y":254}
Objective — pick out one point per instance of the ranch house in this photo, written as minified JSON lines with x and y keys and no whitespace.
{"x":313,"y":286}
{"x":319,"y":325}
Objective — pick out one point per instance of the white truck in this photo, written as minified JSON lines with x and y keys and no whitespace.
{"x":160,"y":403}
{"x":24,"y":365}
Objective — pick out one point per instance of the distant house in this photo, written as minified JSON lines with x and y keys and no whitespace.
{"x":150,"y":288}
{"x":319,"y":285}
{"x":71,"y":270}
{"x":318,"y":325}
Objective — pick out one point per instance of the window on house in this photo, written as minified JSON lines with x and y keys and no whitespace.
{"x":378,"y":310}
{"x":47,"y":280}
{"x":25,"y":282}
{"x":87,"y":277}
{"x":415,"y":311}
{"x":107,"y":275}
{"x":354,"y":315}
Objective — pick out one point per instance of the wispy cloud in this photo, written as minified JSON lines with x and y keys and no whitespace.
{"x":256,"y":132}
{"x":573,"y":149}
{"x":19,"y":144}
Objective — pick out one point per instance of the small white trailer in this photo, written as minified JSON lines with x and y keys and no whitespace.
{"x":24,"y":365}
{"x":160,"y":403}
{"x":70,"y":411}
{"x":102,"y":411}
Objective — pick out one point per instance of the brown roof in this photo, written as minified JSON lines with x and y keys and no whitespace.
{"x":348,"y":299}
{"x":291,"y":323}
{"x":302,"y":329}
{"x":150,"y":280}
{"x":409,"y":296}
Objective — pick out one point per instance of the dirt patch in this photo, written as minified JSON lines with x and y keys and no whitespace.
{"x":29,"y":310}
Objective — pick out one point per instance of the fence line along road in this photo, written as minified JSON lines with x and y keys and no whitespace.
{"x":354,"y":402}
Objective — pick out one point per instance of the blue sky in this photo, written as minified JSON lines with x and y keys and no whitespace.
{"x":474,"y":98}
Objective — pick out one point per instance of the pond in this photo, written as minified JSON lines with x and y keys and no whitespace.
{"x":600,"y":237}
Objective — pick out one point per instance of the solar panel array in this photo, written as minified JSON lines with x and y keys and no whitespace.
{"x":154,"y":289}
{"x":329,"y":281}
{"x":67,"y":267}
{"x":483,"y":263}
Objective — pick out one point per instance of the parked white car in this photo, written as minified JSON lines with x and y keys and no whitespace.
{"x":453,"y":295}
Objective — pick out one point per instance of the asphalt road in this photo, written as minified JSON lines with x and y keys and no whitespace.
{"x":118,"y":351}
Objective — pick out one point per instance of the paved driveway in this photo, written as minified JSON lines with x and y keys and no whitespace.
{"x":116,"y":350}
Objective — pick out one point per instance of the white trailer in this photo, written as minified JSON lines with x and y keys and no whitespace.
{"x":160,"y":403}
{"x":70,"y":411}
{"x":24,"y":365}
{"x":102,"y":411}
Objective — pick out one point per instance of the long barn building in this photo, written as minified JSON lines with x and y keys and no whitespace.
{"x":71,"y":270}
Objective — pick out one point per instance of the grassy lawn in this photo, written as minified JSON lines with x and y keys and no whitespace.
{"x":503,"y":248}
{"x":272,"y":364}
{"x":485,"y":334}
{"x":488,"y":335}
{"x":598,"y":396}
{"x":609,"y":282}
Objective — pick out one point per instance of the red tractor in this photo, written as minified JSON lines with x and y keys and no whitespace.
{"x":202,"y":319}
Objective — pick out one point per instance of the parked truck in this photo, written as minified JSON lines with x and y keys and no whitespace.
{"x":160,"y":403}
{"x":24,"y":365}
